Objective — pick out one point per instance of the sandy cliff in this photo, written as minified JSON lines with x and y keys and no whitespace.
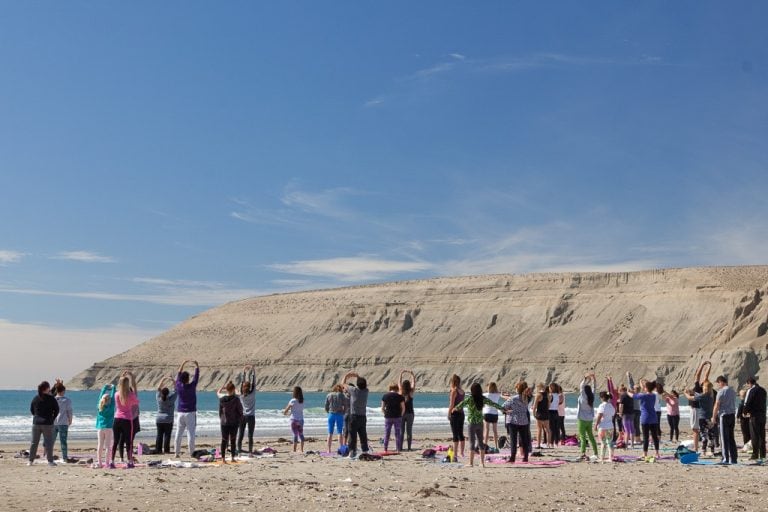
{"x":541,"y":326}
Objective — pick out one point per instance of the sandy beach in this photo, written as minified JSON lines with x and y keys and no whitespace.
{"x":402,"y":482}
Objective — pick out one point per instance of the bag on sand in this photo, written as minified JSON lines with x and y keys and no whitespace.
{"x":343,"y":450}
{"x":682,"y":450}
{"x":429,"y":453}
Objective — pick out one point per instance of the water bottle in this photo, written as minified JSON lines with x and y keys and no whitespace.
{"x":140,"y":450}
{"x":218,"y":454}
{"x":450,"y":454}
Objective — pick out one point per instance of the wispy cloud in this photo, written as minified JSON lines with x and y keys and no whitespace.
{"x":327,"y":202}
{"x":7,"y":256}
{"x":374,"y":102}
{"x":168,"y":295}
{"x":457,"y":56}
{"x":360,"y":268}
{"x":84,"y":257}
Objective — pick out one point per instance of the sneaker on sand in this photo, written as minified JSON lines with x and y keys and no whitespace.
{"x":52,"y":464}
{"x":112,"y":465}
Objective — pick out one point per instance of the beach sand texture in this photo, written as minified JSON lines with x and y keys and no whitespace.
{"x":404,"y":482}
{"x":541,"y":326}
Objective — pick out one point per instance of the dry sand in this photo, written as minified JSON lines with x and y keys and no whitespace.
{"x":404,"y":482}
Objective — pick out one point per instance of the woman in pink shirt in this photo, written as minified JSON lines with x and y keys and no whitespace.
{"x":126,"y":402}
{"x":673,"y":414}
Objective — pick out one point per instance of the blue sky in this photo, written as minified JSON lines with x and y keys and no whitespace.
{"x":157,"y":159}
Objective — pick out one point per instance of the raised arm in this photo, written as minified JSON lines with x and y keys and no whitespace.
{"x":630,"y":381}
{"x":183,"y":364}
{"x":709,"y":368}
{"x":132,"y":378}
{"x":348,"y":376}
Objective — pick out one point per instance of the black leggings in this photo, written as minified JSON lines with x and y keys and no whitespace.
{"x":554,"y":427}
{"x":457,"y":425}
{"x":228,"y":435}
{"x":123,"y":433}
{"x":522,"y":432}
{"x":163,"y":439}
{"x":250,"y":422}
{"x":653,"y":430}
{"x":674,"y":427}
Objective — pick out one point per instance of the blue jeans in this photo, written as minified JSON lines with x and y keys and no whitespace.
{"x":61,"y":431}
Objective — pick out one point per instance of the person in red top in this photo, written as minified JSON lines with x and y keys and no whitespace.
{"x":126,"y":402}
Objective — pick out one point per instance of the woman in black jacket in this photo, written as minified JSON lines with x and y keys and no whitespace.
{"x":44,"y":410}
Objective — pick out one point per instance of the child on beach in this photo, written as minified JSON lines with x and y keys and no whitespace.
{"x":166,"y":406}
{"x":248,"y":402}
{"x":604,"y":425}
{"x":296,"y":409}
{"x":230,"y":416}
{"x":586,"y":415}
{"x":491,"y":414}
{"x":126,"y":403}
{"x":673,"y":414}
{"x":64,"y":419}
{"x":335,"y":406}
{"x":627,"y":412}
{"x":105,"y":419}
{"x":474,"y":404}
{"x":393,"y":407}
{"x":407,"y":389}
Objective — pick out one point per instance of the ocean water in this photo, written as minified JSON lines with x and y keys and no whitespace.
{"x":431,"y":410}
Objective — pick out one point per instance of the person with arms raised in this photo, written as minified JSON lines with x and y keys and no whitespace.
{"x":186,"y":409}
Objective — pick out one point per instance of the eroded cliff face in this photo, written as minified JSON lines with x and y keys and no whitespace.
{"x":541,"y":326}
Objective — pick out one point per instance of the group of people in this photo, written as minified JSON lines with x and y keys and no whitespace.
{"x":623,"y":416}
{"x":117,"y":417}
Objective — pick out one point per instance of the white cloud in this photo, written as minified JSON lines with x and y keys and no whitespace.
{"x":325,"y":202}
{"x":374,"y":102}
{"x":48,"y":352}
{"x":84,"y":257}
{"x":174,"y":296}
{"x":7,"y":256}
{"x":457,"y":56}
{"x":359,"y":268}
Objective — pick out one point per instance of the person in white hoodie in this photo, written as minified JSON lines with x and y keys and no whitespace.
{"x":64,"y":419}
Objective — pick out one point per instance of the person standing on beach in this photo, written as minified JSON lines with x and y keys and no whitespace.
{"x":126,"y":403}
{"x":336,"y":407}
{"x":724,"y":413}
{"x":518,"y":421}
{"x":491,"y":414}
{"x":393,"y":407}
{"x":474,"y":404}
{"x":186,"y":410}
{"x":230,"y":417}
{"x":604,"y":426}
{"x":295,"y":408}
{"x":541,"y":413}
{"x":554,"y":416}
{"x":166,"y":408}
{"x":63,"y":419}
{"x":456,"y":417}
{"x":561,"y":414}
{"x":754,"y":409}
{"x":673,"y":414}
{"x":44,"y":409}
{"x":248,"y":402}
{"x":358,"y":403}
{"x":586,"y":415}
{"x":627,"y":412}
{"x":105,"y":419}
{"x":648,"y":418}
{"x":407,"y":389}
